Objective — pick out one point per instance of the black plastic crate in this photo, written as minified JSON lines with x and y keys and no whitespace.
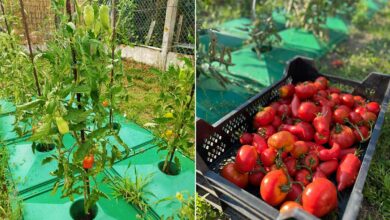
{"x":217,"y":144}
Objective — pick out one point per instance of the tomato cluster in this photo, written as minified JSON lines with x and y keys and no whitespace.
{"x":302,"y":139}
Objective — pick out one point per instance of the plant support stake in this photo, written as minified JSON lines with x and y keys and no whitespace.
{"x":112,"y":55}
{"x":29,"y":46}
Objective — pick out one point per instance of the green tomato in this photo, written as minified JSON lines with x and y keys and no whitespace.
{"x":104,"y":13}
{"x":89,"y":15}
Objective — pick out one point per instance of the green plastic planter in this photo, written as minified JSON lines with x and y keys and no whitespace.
{"x":6,"y":107}
{"x":48,"y":206}
{"x":162,"y":185}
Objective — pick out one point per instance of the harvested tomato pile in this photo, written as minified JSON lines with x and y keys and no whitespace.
{"x":310,"y":133}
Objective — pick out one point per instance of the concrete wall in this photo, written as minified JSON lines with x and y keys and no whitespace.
{"x":152,"y":56}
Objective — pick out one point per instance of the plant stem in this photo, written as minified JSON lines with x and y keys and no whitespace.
{"x":87,"y":193}
{"x":112,"y":56}
{"x":29,"y":45}
{"x":5,"y":18}
{"x":171,"y":153}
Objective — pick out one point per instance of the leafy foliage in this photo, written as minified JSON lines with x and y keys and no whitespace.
{"x":204,"y":211}
{"x":133,"y":190}
{"x":174,"y":123}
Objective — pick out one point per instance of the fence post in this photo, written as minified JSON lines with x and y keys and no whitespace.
{"x":169,"y":28}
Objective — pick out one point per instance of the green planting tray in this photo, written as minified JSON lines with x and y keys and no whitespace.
{"x":48,"y":206}
{"x":162,"y":185}
{"x":7,"y":133}
{"x":6,"y":107}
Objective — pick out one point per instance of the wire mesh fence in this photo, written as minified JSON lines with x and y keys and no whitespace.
{"x":184,"y":36}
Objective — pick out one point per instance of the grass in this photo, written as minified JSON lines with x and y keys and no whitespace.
{"x":367,"y":50}
{"x":143,"y":90}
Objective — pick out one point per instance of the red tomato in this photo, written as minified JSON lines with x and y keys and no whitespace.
{"x":295,"y":103}
{"x":321,"y":83}
{"x":289,"y":206}
{"x":276,"y":122}
{"x":343,"y":135}
{"x":266,"y":131}
{"x":369,"y":118}
{"x":230,"y":173}
{"x":268,"y":156}
{"x":321,"y":138}
{"x":322,"y":93}
{"x":303,"y":176}
{"x":341,"y":114}
{"x":295,"y":192}
{"x":355,"y":118}
{"x":373,"y":107}
{"x":282,"y":140}
{"x":265,"y":116}
{"x":286,"y":91}
{"x":259,"y":143}
{"x":303,"y":130}
{"x":334,"y":90}
{"x":105,"y":103}
{"x":307,"y":111}
{"x":330,"y":154}
{"x":291,"y":165}
{"x":358,"y":100}
{"x":362,"y":134}
{"x":273,"y":188}
{"x":284,"y":111}
{"x":88,"y":161}
{"x":319,"y":197}
{"x":246,"y":158}
{"x":344,"y":152}
{"x":300,"y":148}
{"x":275,"y":105}
{"x":305,"y":90}
{"x":246,"y":138}
{"x":348,"y":171}
{"x":311,"y":161}
{"x":256,"y":175}
{"x":347,"y":99}
{"x":315,"y":148}
{"x":319,"y":174}
{"x":360,"y":110}
{"x":328,"y":167}
{"x":335,"y":98}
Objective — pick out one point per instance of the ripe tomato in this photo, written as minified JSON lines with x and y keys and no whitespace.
{"x":322,"y":93}
{"x":373,"y":107}
{"x":344,"y":152}
{"x":246,"y":138}
{"x":105,"y":103}
{"x":328,"y":167}
{"x":321,"y":83}
{"x":319,"y":174}
{"x":266,"y":131}
{"x":360,"y":110}
{"x":348,"y":171}
{"x":275,"y":105}
{"x":355,"y":118}
{"x":246,"y":158}
{"x":273,"y":188}
{"x":259,"y":143}
{"x":303,"y":130}
{"x":343,"y":135}
{"x":319,"y":197}
{"x":282,"y":140}
{"x":307,"y":111}
{"x":300,"y":148}
{"x":368,"y":118}
{"x":303,"y":176}
{"x":295,"y":192}
{"x":311,"y":161}
{"x":347,"y":99}
{"x":284,"y":111}
{"x":230,"y":173}
{"x":362,"y":134}
{"x":265,"y":116}
{"x":334,"y":90}
{"x":341,"y":114}
{"x":88,"y":161}
{"x":289,"y":206}
{"x":335,"y":98}
{"x":256,"y":175}
{"x":286,"y":91}
{"x":268,"y":156}
{"x":305,"y":90}
{"x":321,"y":138}
{"x":276,"y":122}
{"x":358,"y":100}
{"x":291,"y":165}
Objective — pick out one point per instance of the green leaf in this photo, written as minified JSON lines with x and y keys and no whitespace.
{"x":82,"y":151}
{"x":77,"y":116}
{"x":42,"y":132}
{"x":47,"y":160}
{"x":82,"y":89}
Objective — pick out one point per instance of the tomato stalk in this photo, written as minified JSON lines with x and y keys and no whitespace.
{"x":171,"y":153}
{"x":279,"y":163}
{"x":360,"y":133}
{"x":5,"y":18}
{"x":29,"y":46}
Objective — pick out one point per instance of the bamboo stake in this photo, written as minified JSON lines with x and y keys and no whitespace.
{"x":112,"y":55}
{"x":29,"y":46}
